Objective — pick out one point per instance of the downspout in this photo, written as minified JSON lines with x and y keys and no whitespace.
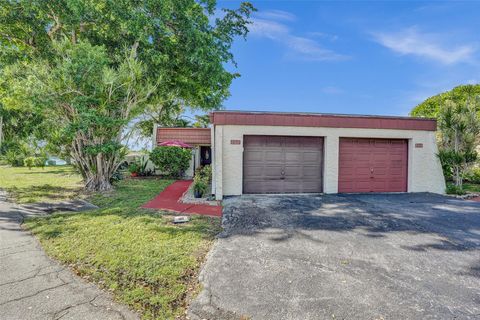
{"x":212,"y":154}
{"x":155,"y":131}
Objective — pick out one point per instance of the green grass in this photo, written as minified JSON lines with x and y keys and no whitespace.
{"x":471,"y":187}
{"x":37,"y":185}
{"x":468,"y":187}
{"x":147,"y":262}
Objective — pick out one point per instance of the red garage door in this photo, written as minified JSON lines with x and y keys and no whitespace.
{"x":373,"y":165}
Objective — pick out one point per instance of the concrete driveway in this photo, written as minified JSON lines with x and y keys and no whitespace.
{"x":32,"y":286}
{"x":399,"y":256}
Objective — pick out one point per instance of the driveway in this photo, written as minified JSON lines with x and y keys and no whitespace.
{"x":398,"y":256}
{"x":32,"y":286}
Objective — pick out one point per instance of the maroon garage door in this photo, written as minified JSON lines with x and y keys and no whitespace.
{"x":275,"y":164}
{"x":373,"y":165}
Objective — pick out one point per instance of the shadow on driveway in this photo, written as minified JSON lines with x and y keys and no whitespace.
{"x":373,"y":256}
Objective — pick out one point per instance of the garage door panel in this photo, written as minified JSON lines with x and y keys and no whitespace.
{"x":254,"y":155}
{"x":292,"y":156}
{"x":273,"y":142}
{"x":282,"y":164}
{"x":292,"y":171}
{"x":294,"y":186}
{"x":273,"y":156}
{"x":253,"y":171}
{"x":254,"y":187}
{"x":397,"y":171}
{"x":360,"y":171}
{"x":362,"y":157}
{"x":312,"y":156}
{"x":272,"y":172}
{"x":373,"y":165}
{"x":310,"y":172}
{"x":256,"y":142}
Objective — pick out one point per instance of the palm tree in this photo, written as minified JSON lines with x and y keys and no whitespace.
{"x":459,"y":126}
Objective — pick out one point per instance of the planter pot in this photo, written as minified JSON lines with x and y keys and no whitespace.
{"x":197,"y":193}
{"x":134,"y":174}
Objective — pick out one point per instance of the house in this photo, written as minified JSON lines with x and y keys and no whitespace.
{"x":272,"y":152}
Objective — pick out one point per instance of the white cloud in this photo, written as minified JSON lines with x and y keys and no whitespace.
{"x":430,"y":46}
{"x":323,"y":35}
{"x":299,"y":47}
{"x":276,"y":15}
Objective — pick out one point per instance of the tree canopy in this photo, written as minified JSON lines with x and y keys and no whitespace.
{"x":459,"y":95}
{"x":87,"y":68}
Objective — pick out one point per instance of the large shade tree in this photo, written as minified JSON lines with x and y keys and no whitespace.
{"x":89,"y":67}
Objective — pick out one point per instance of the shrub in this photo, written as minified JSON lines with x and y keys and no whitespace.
{"x":39,"y":162}
{"x":453,"y":189}
{"x":51,"y":162}
{"x":34,"y":162}
{"x":29,"y":162}
{"x":473,"y":175}
{"x":200,"y":186}
{"x":204,"y":173}
{"x":14,"y":158}
{"x":202,"y":179}
{"x":172,"y":161}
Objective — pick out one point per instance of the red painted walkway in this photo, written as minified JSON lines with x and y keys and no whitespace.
{"x":169,"y":199}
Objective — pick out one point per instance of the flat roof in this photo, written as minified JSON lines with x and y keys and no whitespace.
{"x":303,"y":119}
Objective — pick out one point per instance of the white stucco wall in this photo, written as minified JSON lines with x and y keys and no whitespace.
{"x":424,"y":169}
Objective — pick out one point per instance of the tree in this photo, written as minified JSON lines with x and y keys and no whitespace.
{"x":88,"y":101}
{"x":459,"y":95}
{"x":459,"y":127}
{"x":89,"y":67}
{"x":19,"y":127}
{"x":202,"y":121}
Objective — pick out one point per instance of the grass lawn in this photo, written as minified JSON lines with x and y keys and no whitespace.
{"x":146,"y":261}
{"x":36,"y":185}
{"x":471,"y":187}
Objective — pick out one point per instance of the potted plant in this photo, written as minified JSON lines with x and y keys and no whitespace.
{"x":133,"y":169}
{"x":199,"y":188}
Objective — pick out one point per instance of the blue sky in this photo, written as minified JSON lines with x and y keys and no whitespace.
{"x":360,"y":57}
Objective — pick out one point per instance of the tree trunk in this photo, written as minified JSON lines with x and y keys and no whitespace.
{"x":1,"y":131}
{"x":98,"y":182}
{"x":458,"y":177}
{"x":96,"y":170}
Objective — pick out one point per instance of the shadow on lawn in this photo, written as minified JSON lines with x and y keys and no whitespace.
{"x":64,"y":172}
{"x":43,"y":192}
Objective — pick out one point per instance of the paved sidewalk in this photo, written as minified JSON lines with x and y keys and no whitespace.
{"x":169,"y":199}
{"x":32,"y":286}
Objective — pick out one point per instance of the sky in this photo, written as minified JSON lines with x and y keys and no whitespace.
{"x":354,"y":57}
